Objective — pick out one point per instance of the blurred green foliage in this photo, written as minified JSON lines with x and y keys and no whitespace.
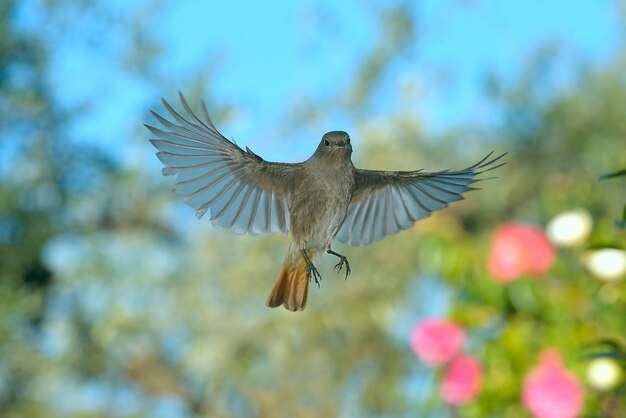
{"x":621,"y":223}
{"x":109,"y":308}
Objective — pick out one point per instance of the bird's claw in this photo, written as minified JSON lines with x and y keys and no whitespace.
{"x":339,"y":266}
{"x":313,"y":274}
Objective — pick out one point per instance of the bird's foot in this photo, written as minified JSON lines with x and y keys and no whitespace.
{"x":340,"y":264}
{"x":313,"y":273}
{"x":311,"y":269}
{"x":342,"y":260}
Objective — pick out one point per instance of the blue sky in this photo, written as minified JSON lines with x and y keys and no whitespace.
{"x":264,"y":56}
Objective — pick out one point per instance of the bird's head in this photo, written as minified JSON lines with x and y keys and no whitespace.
{"x":335,"y":143}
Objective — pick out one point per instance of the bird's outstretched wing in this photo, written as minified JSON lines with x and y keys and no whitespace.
{"x":242,"y":192}
{"x":386,"y":202}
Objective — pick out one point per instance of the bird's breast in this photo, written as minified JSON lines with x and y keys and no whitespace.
{"x":319,"y":204}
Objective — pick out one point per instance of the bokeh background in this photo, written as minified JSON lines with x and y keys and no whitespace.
{"x":116,"y":302}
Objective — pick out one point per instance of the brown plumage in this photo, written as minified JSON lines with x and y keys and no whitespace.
{"x":292,"y":285}
{"x":317,"y":200}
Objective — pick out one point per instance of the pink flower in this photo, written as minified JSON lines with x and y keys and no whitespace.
{"x":437,"y":341}
{"x":461,"y":381}
{"x":551,"y":391}
{"x":518,"y":250}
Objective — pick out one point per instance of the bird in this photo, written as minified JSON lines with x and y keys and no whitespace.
{"x":318,"y":200}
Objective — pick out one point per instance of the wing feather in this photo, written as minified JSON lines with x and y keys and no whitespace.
{"x":242,"y":192}
{"x":386,"y":202}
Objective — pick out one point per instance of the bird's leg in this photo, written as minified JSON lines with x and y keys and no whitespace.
{"x":311,"y":270}
{"x":342,"y":260}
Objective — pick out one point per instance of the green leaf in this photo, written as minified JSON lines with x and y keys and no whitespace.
{"x":621,"y":223}
{"x":605,"y":347}
{"x":613,"y":175}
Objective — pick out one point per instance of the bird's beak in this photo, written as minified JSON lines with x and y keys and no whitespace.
{"x":341,"y":144}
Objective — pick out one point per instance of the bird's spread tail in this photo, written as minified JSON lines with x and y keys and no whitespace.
{"x":292,"y":285}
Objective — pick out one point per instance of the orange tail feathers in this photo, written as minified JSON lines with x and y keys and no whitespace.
{"x":291,"y":287}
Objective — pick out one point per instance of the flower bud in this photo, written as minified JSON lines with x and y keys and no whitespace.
{"x":551,"y":391}
{"x":437,"y":341}
{"x":461,"y":381}
{"x":569,"y":229}
{"x":607,"y":263}
{"x":603,"y":373}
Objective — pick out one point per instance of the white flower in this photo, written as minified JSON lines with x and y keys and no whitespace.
{"x":603,"y":373}
{"x":569,"y":229}
{"x":607,"y":263}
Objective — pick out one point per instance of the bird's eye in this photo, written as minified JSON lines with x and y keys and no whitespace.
{"x":326,"y":143}
{"x":348,"y":139}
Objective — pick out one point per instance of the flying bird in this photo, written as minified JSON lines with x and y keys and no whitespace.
{"x":316,"y":200}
